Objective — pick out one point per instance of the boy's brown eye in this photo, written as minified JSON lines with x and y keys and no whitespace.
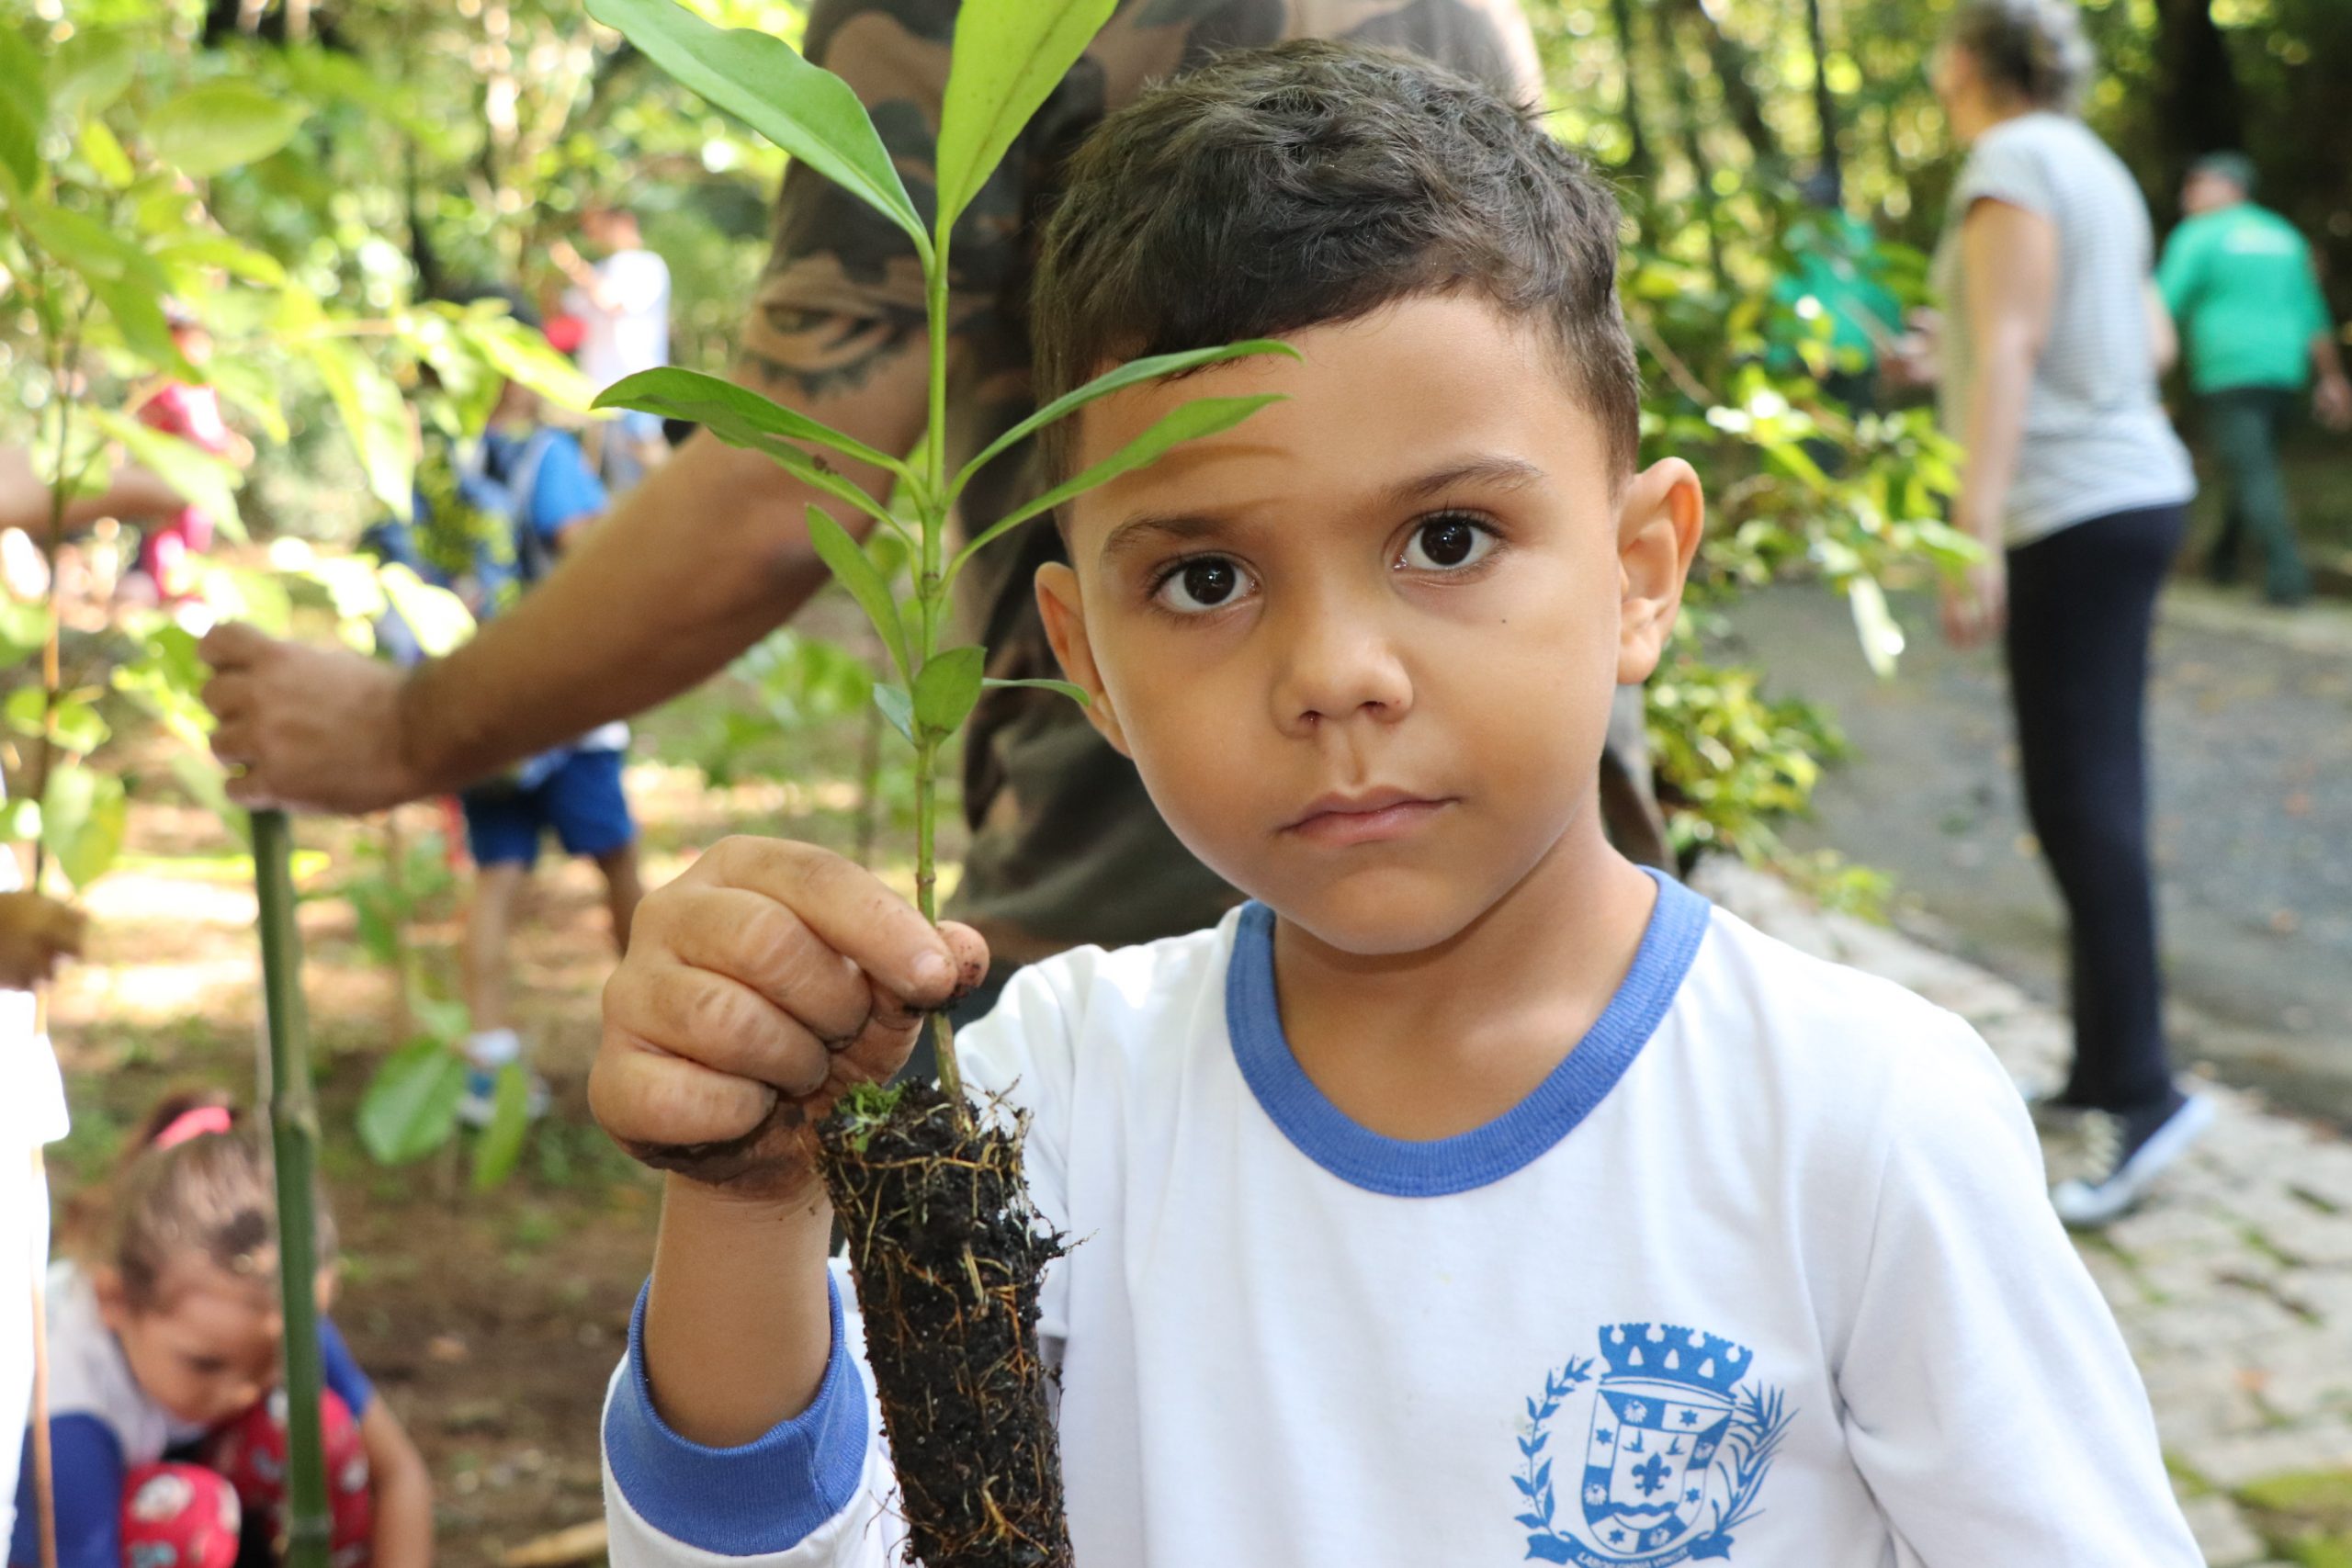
{"x":1203,"y":584}
{"x":1444,"y":543}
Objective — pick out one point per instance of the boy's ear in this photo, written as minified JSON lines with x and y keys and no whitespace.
{"x":1065,"y":618}
{"x":1659,"y":519}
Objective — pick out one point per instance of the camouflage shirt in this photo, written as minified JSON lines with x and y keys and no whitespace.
{"x":1066,"y":847}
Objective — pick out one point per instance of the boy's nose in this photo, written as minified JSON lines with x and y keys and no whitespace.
{"x":1336,"y":663}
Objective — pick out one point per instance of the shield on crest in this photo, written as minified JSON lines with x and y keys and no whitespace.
{"x":1647,"y":1463}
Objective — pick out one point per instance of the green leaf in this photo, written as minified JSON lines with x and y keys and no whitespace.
{"x":87,"y":849}
{"x":189,"y":258}
{"x":521,"y":354}
{"x":897,"y":707}
{"x":1189,"y":421}
{"x":90,"y":69}
{"x":106,"y":155}
{"x":1074,"y":692}
{"x":948,"y":687}
{"x":205,"y":480}
{"x":200,"y":776}
{"x":721,"y":405}
{"x":220,"y":125}
{"x":743,"y":418}
{"x":19,"y":820}
{"x":1008,"y":56}
{"x":510,"y":1119}
{"x":24,"y":105}
{"x":809,"y":112}
{"x":411,"y":1105}
{"x":1133,"y":373}
{"x":24,"y":630}
{"x":124,"y":278}
{"x":77,"y":725}
{"x":857,"y":573}
{"x":439,"y":618}
{"x":252,"y":389}
{"x":23,"y":711}
{"x":374,"y":415}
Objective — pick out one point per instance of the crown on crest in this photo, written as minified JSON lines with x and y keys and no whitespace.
{"x":1672,"y":1354}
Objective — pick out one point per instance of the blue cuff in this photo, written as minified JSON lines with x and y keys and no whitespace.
{"x":766,"y":1496}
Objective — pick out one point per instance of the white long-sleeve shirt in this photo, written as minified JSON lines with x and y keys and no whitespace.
{"x":1763,"y":1273}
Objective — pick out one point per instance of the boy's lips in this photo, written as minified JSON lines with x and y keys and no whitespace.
{"x":1371,"y":816}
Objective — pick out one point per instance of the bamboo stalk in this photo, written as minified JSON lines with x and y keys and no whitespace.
{"x":293,"y":1137}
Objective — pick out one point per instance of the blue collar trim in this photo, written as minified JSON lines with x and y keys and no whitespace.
{"x":1408,"y":1169}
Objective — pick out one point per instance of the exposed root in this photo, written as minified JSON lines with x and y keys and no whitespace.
{"x":948,"y":1253}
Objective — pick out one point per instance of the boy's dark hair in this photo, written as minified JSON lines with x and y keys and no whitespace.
{"x":1312,"y":182}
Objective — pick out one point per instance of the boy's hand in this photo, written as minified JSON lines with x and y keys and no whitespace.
{"x":760,"y":986}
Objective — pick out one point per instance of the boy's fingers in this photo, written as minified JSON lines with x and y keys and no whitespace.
{"x":647,"y":1098}
{"x":849,"y":909}
{"x":715,"y":1023}
{"x":758,"y":942}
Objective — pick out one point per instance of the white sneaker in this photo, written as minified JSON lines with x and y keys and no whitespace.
{"x":479,"y":1106}
{"x":2126,"y":1154}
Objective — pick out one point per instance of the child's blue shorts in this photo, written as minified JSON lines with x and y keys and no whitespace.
{"x":581,"y":800}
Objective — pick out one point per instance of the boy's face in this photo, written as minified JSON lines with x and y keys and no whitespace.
{"x":1363,"y":647}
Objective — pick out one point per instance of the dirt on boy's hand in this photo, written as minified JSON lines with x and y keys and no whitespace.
{"x":764,"y":983}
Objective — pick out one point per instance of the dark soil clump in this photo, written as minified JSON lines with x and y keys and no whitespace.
{"x":947,"y":1252}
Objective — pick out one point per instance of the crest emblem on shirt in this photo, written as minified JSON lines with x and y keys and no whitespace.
{"x":1678,"y":1443}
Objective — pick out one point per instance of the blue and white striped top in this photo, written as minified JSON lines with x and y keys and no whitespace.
{"x":2097,"y":441}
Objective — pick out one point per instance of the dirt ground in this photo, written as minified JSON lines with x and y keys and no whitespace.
{"x":491,"y":1322}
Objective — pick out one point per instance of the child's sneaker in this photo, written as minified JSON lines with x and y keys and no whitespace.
{"x":487,"y":1052}
{"x":2124,"y":1153}
{"x":479,"y":1106}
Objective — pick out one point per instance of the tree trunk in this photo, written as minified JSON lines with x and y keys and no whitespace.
{"x":1825,"y":106}
{"x":1638,"y":162}
{"x":1734,"y":70}
{"x":2199,"y":108}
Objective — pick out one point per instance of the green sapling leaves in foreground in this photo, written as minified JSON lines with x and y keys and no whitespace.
{"x":1008,"y":57}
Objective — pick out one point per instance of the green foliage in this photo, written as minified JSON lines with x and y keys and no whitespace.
{"x":1010,"y":54}
{"x":217,"y":126}
{"x":411,"y":1106}
{"x":810,"y":113}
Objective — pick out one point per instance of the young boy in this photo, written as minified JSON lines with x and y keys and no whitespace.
{"x":1473,"y":1196}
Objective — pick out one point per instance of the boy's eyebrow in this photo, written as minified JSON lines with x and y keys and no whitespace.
{"x":1491,"y":468}
{"x":1155,"y":528}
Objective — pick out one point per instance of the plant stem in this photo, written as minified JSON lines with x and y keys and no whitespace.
{"x":64,"y":363}
{"x":293,"y":1138}
{"x":930,"y":596}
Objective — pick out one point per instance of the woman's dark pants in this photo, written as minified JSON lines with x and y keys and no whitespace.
{"x":2082,"y":603}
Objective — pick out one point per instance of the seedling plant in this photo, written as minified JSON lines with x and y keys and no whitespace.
{"x":944,"y":1245}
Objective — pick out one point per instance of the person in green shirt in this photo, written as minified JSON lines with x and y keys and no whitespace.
{"x":1838,"y":271}
{"x":2238,"y":280}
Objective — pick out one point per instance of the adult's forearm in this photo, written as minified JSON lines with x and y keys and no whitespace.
{"x":737,"y":1321}
{"x":1993,"y":431}
{"x":695,"y":566}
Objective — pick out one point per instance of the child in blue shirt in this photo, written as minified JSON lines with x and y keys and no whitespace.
{"x":492,"y":516}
